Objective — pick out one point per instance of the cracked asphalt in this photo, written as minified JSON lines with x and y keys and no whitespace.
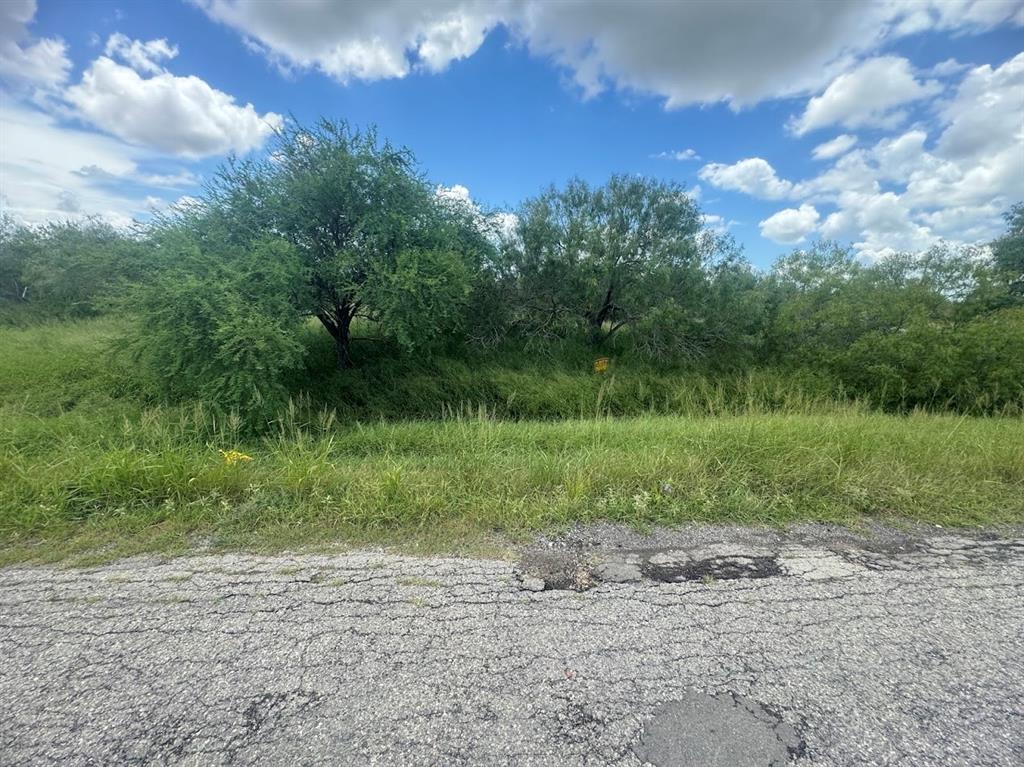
{"x":844,"y":651}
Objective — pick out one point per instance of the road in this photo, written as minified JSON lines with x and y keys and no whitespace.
{"x":701,"y":647}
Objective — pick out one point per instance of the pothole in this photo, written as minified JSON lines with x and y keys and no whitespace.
{"x":556,"y":569}
{"x":664,"y":568}
{"x":723,"y":730}
{"x":562,"y":569}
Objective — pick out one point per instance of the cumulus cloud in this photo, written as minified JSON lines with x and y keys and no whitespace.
{"x":885,"y":225}
{"x":868,"y":95}
{"x":143,"y":57}
{"x":791,"y":225}
{"x":456,"y":194}
{"x":646,"y":46}
{"x":25,"y":62}
{"x":948,"y":68}
{"x":948,"y":179}
{"x":754,"y":176}
{"x":362,"y":40}
{"x":831,"y":149}
{"x":716,"y":224}
{"x":677,"y":154}
{"x":498,"y":225}
{"x":48,"y":171}
{"x":985,"y":114}
{"x":179,"y":115}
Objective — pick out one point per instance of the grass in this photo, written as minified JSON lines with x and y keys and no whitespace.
{"x":90,"y":470}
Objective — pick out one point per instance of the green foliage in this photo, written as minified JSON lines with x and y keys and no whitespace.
{"x":67,"y":269}
{"x":906,"y":332}
{"x":422,"y":296}
{"x":989,"y":371}
{"x":451,"y":314}
{"x":630,"y":257}
{"x":366,"y":226}
{"x":599,"y":259}
{"x":1008,"y":252}
{"x":157,"y":481}
{"x":221,"y":323}
{"x":89,"y":465}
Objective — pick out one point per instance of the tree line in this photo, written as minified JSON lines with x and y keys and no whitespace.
{"x":337,"y":226}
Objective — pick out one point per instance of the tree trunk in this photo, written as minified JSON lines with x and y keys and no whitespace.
{"x":338,"y":323}
{"x":343,"y":345}
{"x":597,"y":319}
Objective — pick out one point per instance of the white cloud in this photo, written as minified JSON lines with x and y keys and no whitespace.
{"x":498,"y":225}
{"x":678,"y":154}
{"x":791,"y":225}
{"x":179,"y":115}
{"x":831,"y":149}
{"x":360,"y":40}
{"x":456,"y":194}
{"x":142,"y":57}
{"x":717,"y":224}
{"x":950,"y":178}
{"x":23,"y":63}
{"x":753,"y":176}
{"x":986,"y":112}
{"x":504,"y":224}
{"x":868,"y":95}
{"x":646,"y":46}
{"x":948,"y":68}
{"x":884,"y":225}
{"x":51,"y":172}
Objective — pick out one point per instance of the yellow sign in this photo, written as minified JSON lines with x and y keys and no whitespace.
{"x":601,"y":365}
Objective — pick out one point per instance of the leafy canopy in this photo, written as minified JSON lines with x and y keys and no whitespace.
{"x":374,"y":238}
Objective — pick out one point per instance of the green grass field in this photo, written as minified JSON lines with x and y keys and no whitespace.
{"x":88,"y":468}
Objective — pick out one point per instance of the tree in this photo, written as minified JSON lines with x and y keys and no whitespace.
{"x":67,"y":268}
{"x":806,"y":284}
{"x":605,"y":257}
{"x":375,"y":240}
{"x":12,"y":260}
{"x":1008,"y":252}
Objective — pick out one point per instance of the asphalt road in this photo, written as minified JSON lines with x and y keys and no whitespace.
{"x":711,"y":648}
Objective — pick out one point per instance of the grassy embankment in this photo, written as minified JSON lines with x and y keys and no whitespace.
{"x":87,"y":468}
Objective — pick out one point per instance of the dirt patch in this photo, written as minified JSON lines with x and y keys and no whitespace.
{"x":557,"y":569}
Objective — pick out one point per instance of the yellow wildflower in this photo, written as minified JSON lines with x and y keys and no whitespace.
{"x":231,"y":457}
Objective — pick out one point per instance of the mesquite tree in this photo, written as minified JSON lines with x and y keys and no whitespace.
{"x":605,"y":257}
{"x":375,"y":239}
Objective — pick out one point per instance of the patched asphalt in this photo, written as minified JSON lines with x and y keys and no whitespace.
{"x":705,"y":646}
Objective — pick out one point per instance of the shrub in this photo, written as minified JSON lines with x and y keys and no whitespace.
{"x":221,"y":324}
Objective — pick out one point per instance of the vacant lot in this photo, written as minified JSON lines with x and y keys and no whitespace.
{"x":89,"y":469}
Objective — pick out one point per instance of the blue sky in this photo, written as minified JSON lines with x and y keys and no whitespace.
{"x":112,"y":108}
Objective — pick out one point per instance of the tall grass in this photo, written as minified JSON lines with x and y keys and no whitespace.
{"x":156,"y":482}
{"x":86,"y":463}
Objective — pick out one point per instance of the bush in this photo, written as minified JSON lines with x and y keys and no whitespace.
{"x":66,"y":269}
{"x":221,"y":325}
